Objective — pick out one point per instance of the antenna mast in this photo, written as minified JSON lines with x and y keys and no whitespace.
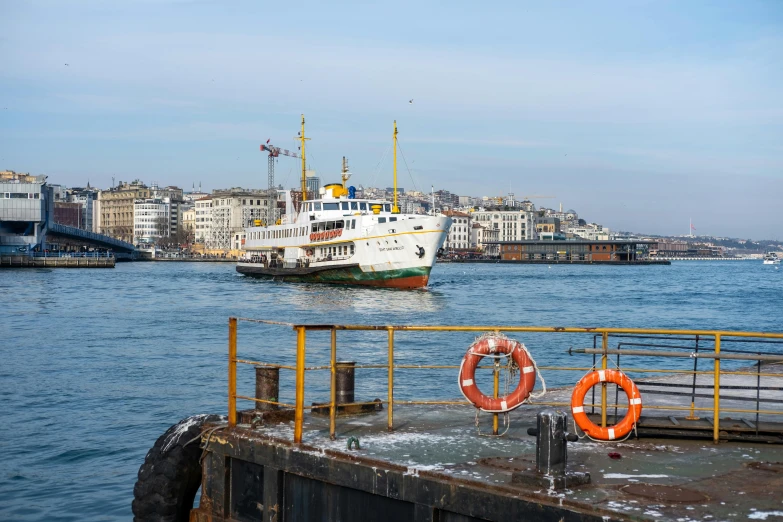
{"x":395,"y":208}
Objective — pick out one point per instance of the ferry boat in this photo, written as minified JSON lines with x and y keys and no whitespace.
{"x":340,"y":239}
{"x":771,"y":259}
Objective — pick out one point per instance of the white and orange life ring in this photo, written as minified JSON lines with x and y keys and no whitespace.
{"x":620,"y":429}
{"x":497,"y":345}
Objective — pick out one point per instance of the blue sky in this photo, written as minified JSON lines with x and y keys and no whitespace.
{"x":640,"y":115}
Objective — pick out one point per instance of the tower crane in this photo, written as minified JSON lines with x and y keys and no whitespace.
{"x":274,"y":152}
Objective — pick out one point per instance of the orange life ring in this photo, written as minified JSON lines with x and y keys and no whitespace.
{"x":495,"y":346}
{"x":620,"y":429}
{"x":320,"y":236}
{"x":332,"y":234}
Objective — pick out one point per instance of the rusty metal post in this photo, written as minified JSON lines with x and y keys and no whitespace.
{"x":232,"y":371}
{"x":716,"y":393}
{"x":333,"y":386}
{"x":345,"y":381}
{"x":496,"y":371}
{"x":300,"y":376}
{"x":390,"y":394}
{"x":604,"y":358}
{"x":267,"y":387}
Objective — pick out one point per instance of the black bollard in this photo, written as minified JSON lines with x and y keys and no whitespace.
{"x":552,"y":440}
{"x":344,"y":382}
{"x":267,"y":387}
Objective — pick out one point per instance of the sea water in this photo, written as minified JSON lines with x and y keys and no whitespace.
{"x":95,"y":364}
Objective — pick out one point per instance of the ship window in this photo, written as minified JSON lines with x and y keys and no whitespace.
{"x":331,"y":206}
{"x":340,"y":224}
{"x":392,"y":219}
{"x":345,"y":205}
{"x":352,"y":249}
{"x":353,"y":223}
{"x":381,"y":220}
{"x":354,"y":205}
{"x":363,"y":206}
{"x":318,"y":206}
{"x":387,"y":207}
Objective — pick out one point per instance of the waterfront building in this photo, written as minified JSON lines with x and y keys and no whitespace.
{"x":592,"y":231}
{"x":574,"y":250}
{"x":512,"y":225}
{"x":458,"y":237}
{"x":152,"y":220}
{"x":203,"y":224}
{"x":68,"y":214}
{"x":484,"y":239}
{"x":86,"y":198}
{"x":548,"y":228}
{"x":232,"y":211}
{"x":313,"y":183}
{"x":189,"y":224}
{"x":25,"y":204}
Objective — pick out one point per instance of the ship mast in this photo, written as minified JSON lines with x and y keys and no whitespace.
{"x":302,"y":139}
{"x":395,"y":208}
{"x":345,"y":171}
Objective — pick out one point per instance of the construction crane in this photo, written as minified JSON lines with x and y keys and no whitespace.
{"x":274,"y":152}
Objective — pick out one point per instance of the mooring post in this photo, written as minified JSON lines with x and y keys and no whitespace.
{"x":552,"y":440}
{"x":267,"y":387}
{"x":345,"y":381}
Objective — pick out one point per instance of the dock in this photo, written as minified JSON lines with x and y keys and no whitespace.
{"x":74,"y":260}
{"x":708,"y":445}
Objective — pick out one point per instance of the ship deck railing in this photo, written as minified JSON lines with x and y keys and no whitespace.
{"x":754,"y":349}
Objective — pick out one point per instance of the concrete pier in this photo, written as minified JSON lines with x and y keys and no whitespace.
{"x":24,"y":261}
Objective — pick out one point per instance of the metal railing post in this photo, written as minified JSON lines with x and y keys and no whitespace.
{"x":333,"y":386}
{"x":390,"y":395}
{"x":300,"y":376}
{"x":232,"y":371}
{"x":716,"y":392}
{"x":496,"y":371}
{"x":604,"y":358}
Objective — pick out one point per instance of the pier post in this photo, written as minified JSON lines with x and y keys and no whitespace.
{"x":716,"y":394}
{"x":300,"y":377}
{"x":333,"y":386}
{"x":232,"y":371}
{"x":390,"y":393}
{"x":345,"y":377}
{"x":552,"y":440}
{"x":267,"y":387}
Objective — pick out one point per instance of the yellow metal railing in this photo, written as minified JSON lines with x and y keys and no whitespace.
{"x":301,"y":339}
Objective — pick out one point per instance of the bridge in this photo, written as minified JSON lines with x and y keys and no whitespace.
{"x":92,"y":238}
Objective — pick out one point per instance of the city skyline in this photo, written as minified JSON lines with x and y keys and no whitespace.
{"x":640,"y":117}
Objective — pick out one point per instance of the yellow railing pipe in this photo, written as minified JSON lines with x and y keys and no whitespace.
{"x":716,"y":398}
{"x":604,"y":361}
{"x":300,"y":376}
{"x":391,"y":380}
{"x":232,"y":371}
{"x":333,"y":385}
